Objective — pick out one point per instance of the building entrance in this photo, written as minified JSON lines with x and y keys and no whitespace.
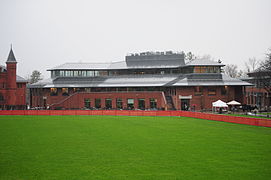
{"x":185,"y":104}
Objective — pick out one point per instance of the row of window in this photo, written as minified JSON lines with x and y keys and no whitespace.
{"x":67,"y":91}
{"x":92,"y":73}
{"x":198,"y":90}
{"x":206,"y":69}
{"x":119,"y":103}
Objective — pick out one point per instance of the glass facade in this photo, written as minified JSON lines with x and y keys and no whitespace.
{"x":92,"y":73}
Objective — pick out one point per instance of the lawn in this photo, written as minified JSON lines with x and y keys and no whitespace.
{"x":121,"y":147}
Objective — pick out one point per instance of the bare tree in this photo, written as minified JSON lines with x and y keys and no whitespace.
{"x":190,"y":57}
{"x":231,"y":70}
{"x":251,"y":65}
{"x":35,"y":77}
{"x":266,"y":65}
{"x":240,"y":74}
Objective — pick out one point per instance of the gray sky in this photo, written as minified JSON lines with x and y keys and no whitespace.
{"x":47,"y":33}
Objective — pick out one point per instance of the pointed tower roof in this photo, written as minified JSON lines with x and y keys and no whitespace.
{"x":11,"y":57}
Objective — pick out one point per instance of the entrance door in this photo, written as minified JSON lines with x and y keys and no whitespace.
{"x":185,"y":104}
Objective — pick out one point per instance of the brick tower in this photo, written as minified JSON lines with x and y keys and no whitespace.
{"x":11,"y":78}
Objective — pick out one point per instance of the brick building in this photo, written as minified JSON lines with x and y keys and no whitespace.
{"x":150,"y":80}
{"x":12,"y":86}
{"x":259,"y":95}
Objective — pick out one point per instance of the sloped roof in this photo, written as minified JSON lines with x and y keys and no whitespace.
{"x":141,"y":81}
{"x":11,"y":57}
{"x":81,"y":66}
{"x":20,"y":79}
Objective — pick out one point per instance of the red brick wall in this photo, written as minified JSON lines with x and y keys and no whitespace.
{"x":205,"y":100}
{"x":201,"y":102}
{"x":13,"y":96}
{"x":76,"y":100}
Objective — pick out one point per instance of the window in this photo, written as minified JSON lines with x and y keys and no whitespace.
{"x":84,"y":73}
{"x":198,"y":90}
{"x":130,"y":103}
{"x":224,"y":90}
{"x":90,"y":73}
{"x":55,"y":73}
{"x":68,"y":73}
{"x":53,"y":91}
{"x":19,"y":85}
{"x":153,"y":103}
{"x":103,"y":73}
{"x":52,"y":74}
{"x":108,"y":103}
{"x":211,"y":91}
{"x":79,"y":73}
{"x":87,"y":103}
{"x":75,"y":73}
{"x":87,"y":89}
{"x":119,"y":103}
{"x":1,"y":97}
{"x":141,"y":104}
{"x":65,"y":92}
{"x":62,"y":73}
{"x":97,"y":103}
{"x":76,"y":89}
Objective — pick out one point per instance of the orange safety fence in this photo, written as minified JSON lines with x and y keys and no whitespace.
{"x":214,"y":117}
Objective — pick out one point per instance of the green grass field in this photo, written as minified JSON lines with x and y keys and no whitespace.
{"x":121,"y":147}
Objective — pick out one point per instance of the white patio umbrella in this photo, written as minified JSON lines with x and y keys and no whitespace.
{"x":234,"y":103}
{"x":219,"y":103}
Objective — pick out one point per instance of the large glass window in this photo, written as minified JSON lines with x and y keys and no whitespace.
{"x":75,"y":73}
{"x":53,"y":91}
{"x":108,"y":103}
{"x":90,"y":73}
{"x":84,"y":73}
{"x":96,"y":73}
{"x":76,"y":89}
{"x":87,"y":103}
{"x":119,"y":103}
{"x":206,"y":69}
{"x":211,"y":91}
{"x":79,"y":73}
{"x":97,"y":103}
{"x":65,"y":92}
{"x":62,"y":73}
{"x":103,"y":73}
{"x":53,"y":74}
{"x":153,"y":103}
{"x":224,"y":90}
{"x":198,"y":90}
{"x":141,"y":104}
{"x":130,"y":104}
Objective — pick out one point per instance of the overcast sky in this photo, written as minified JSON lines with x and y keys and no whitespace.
{"x":48,"y":33}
